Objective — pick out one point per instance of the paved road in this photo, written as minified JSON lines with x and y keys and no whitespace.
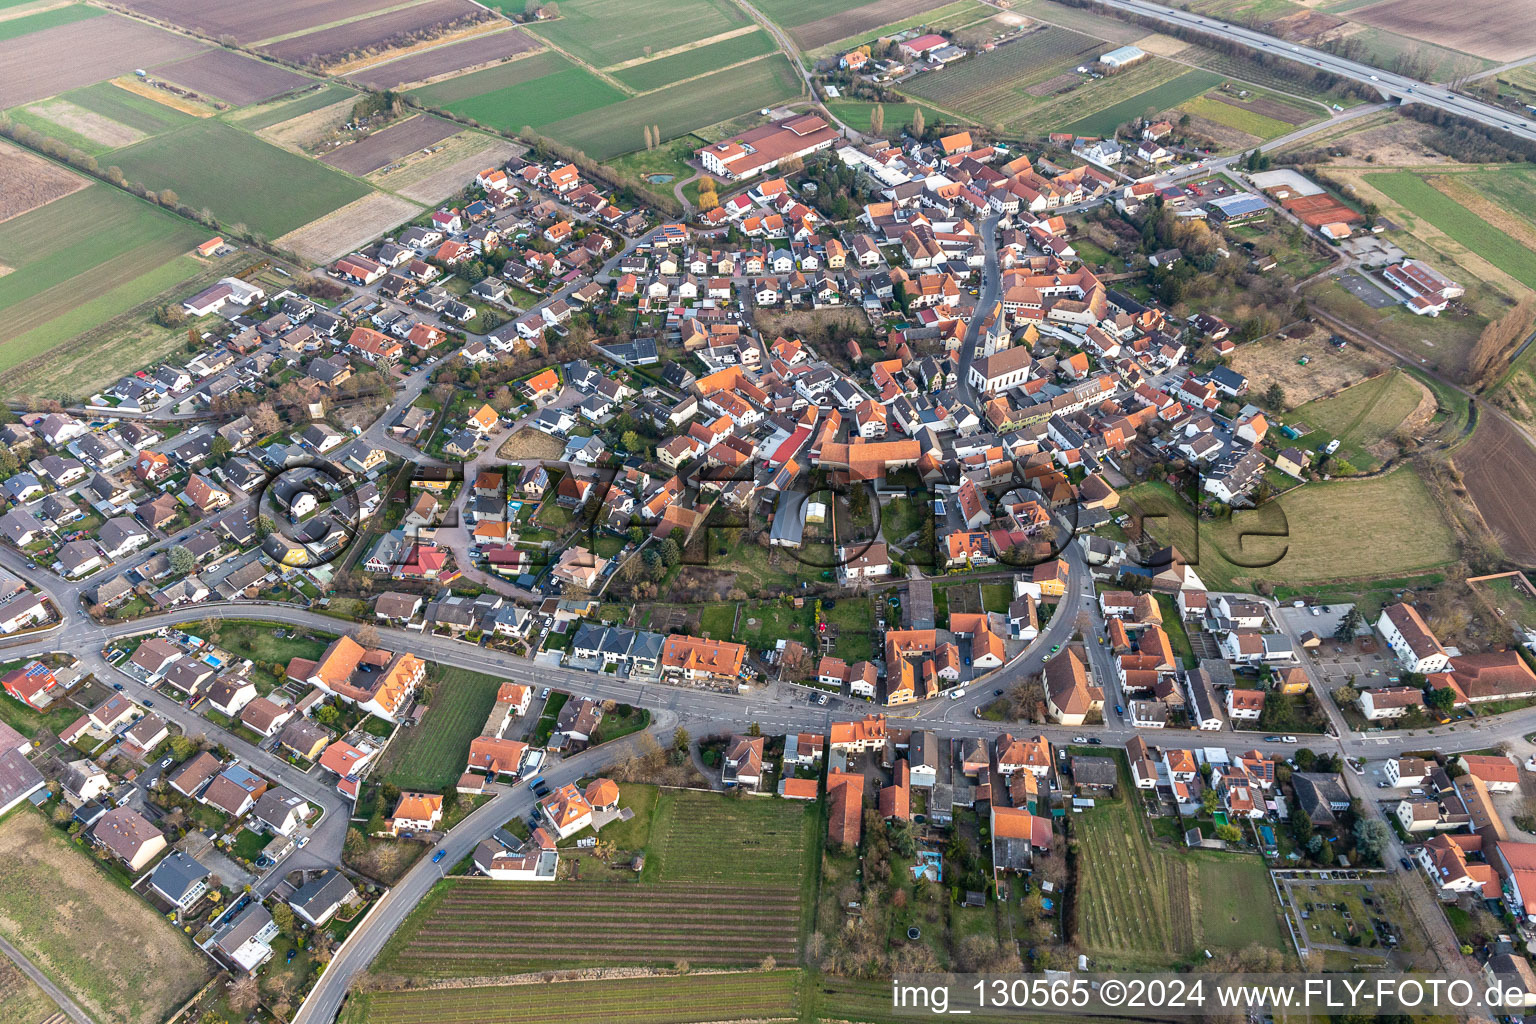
{"x":324,"y":1000}
{"x":53,"y":991}
{"x":1389,"y":84}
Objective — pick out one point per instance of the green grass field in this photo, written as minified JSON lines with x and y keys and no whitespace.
{"x":1364,"y":415}
{"x":618,"y":128}
{"x":604,"y":32}
{"x":81,"y":260}
{"x":699,"y":837}
{"x":432,"y":754}
{"x":1144,"y":906}
{"x":533,"y":91}
{"x":1243,"y":120}
{"x":1512,"y":186}
{"x":1338,"y":530}
{"x":242,"y":179}
{"x":1422,"y":200}
{"x":790,"y":13}
{"x":26,"y":24}
{"x":662,"y":1000}
{"x":128,"y":108}
{"x":1162,"y":97}
{"x":856,"y":114}
{"x":654,"y":74}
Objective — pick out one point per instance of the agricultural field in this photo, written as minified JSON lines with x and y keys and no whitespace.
{"x":660,"y":1000}
{"x":251,"y":23}
{"x":242,"y":179}
{"x":476,"y":928}
{"x":1170,"y":93}
{"x":618,"y":128}
{"x":1079,"y":19}
{"x":97,"y":243}
{"x":266,"y":115}
{"x":21,"y":1000}
{"x":1383,"y":526}
{"x":103,"y":945}
{"x":993,"y":88}
{"x":1500,"y":475}
{"x":607,"y":32}
{"x":226,"y":75}
{"x":27,"y":23}
{"x":859,"y":20}
{"x":1501,"y":31}
{"x":440,"y":61}
{"x":351,"y":227}
{"x":379,"y":149}
{"x":99,"y":118}
{"x":1144,"y":906}
{"x":432,"y":754}
{"x":697,"y":60}
{"x":790,"y":13}
{"x":428,"y":178}
{"x":31,"y":182}
{"x":325,"y":47}
{"x":1260,"y":117}
{"x":1286,"y":78}
{"x":67,"y":56}
{"x":536,"y":91}
{"x":722,"y":887}
{"x":1455,"y":220}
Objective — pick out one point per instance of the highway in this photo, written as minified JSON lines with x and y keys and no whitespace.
{"x":1389,"y":84}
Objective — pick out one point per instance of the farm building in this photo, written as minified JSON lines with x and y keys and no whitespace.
{"x":1123,"y":56}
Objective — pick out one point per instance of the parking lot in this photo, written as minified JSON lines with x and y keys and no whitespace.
{"x":1366,"y":291}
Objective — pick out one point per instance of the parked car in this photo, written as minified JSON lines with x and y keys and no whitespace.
{"x":438,"y":856}
{"x":1094,"y":741}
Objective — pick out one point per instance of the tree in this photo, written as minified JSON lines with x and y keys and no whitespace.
{"x":1209,"y":800}
{"x":1349,"y":624}
{"x":264,"y":418}
{"x":1229,"y":833}
{"x":244,"y":993}
{"x":1441,"y":701}
{"x":877,"y":120}
{"x":1371,"y":838}
{"x":282,"y":916}
{"x":917,"y":123}
{"x":367,"y":635}
{"x":354,"y":843}
{"x":681,"y":740}
{"x":1345,"y":695}
{"x":1301,"y":826}
{"x":182,"y":560}
{"x":183,"y":747}
{"x":1274,"y":397}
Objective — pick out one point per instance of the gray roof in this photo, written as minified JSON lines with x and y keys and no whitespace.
{"x":241,"y":928}
{"x":319,"y":895}
{"x":176,"y":875}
